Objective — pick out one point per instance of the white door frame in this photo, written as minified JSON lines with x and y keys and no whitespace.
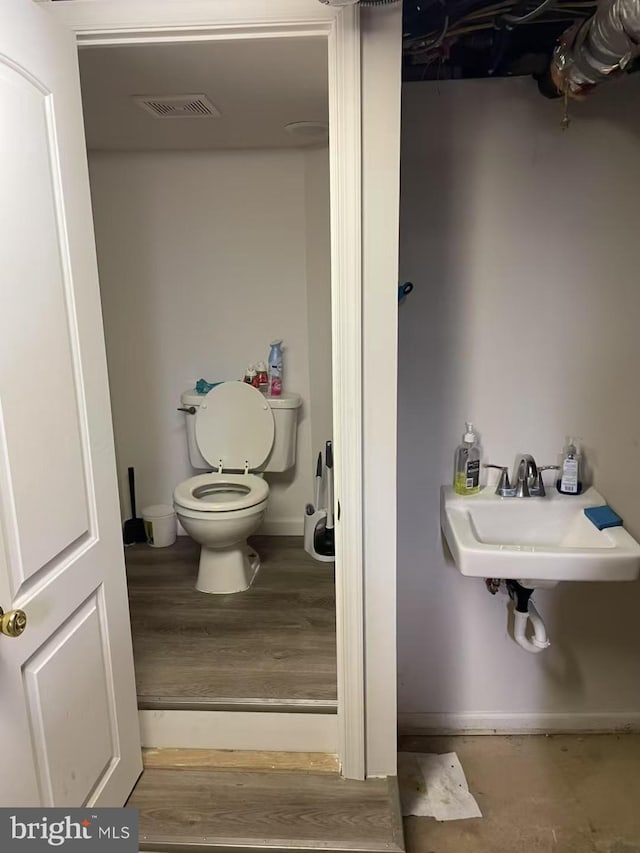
{"x":116,"y":22}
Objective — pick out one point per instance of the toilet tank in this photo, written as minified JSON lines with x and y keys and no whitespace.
{"x":285,"y":415}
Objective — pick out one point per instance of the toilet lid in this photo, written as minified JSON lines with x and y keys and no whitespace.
{"x":234,"y":424}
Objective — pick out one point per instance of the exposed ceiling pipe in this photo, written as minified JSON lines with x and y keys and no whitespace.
{"x":359,"y":2}
{"x":598,"y":49}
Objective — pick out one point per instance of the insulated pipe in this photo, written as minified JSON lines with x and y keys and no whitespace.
{"x":539,"y":641}
{"x":600,"y":47}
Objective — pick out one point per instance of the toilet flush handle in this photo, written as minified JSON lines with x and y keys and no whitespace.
{"x":190,"y":410}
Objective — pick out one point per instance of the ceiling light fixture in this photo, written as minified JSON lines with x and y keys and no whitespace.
{"x":309,"y":131}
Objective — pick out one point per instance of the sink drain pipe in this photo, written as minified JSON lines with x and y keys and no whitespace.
{"x":525,"y":611}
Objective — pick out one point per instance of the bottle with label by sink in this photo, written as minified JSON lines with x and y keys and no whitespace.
{"x":569,"y":481}
{"x":466,"y":475}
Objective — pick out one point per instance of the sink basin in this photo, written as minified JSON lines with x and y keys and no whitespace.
{"x":547,"y":538}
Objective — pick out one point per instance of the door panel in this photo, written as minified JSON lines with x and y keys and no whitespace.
{"x":68,"y":711}
{"x":41,"y":440}
{"x":67,"y":776}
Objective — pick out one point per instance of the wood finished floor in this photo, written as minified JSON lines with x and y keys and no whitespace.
{"x":273,"y":642}
{"x":195,"y":809}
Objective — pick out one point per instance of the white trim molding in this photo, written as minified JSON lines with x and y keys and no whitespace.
{"x":381,"y":29}
{"x":518,"y":723}
{"x":114,"y":22}
{"x":252,"y":730}
{"x":97,"y":22}
{"x":345,"y":147}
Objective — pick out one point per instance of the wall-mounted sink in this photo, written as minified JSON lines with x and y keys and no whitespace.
{"x":547,"y":539}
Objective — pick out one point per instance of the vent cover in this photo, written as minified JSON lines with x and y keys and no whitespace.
{"x":177,"y":106}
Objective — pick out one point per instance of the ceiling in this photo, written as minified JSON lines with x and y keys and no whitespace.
{"x":482,"y":38}
{"x":258,"y":86}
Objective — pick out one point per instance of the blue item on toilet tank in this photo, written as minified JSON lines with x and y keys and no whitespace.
{"x":275,"y":369}
{"x":203,"y":387}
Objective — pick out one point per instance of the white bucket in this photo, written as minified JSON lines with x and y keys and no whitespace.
{"x":160,"y":524}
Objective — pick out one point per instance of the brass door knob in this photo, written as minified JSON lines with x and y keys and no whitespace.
{"x":13,"y":623}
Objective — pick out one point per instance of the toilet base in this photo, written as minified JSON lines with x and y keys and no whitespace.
{"x":223,"y":572}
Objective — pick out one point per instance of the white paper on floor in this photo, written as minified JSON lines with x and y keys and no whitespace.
{"x":434,"y":786}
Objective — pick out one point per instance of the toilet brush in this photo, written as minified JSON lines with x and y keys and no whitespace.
{"x":330,"y":520}
{"x":314,"y":507}
{"x":315,"y":521}
{"x":324,"y":539}
{"x":318,"y":480}
{"x":134,"y":530}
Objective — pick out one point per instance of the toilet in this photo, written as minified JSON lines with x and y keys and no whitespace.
{"x":235,"y":434}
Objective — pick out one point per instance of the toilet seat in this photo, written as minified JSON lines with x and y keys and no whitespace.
{"x":215,"y":492}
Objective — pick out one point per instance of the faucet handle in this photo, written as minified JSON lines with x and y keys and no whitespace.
{"x":503,"y":483}
{"x":538,"y":482}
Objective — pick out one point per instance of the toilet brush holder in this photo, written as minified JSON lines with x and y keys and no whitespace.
{"x":316,"y":539}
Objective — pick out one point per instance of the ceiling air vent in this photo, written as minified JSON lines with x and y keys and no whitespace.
{"x":177,"y":106}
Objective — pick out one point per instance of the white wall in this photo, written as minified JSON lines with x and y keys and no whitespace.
{"x":522,"y":242}
{"x":203,"y":261}
{"x":318,"y":243}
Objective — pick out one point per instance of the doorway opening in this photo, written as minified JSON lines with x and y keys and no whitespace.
{"x":212,"y":228}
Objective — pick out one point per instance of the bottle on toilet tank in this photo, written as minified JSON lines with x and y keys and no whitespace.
{"x":263,"y":377}
{"x":251,"y":376}
{"x":275,"y":369}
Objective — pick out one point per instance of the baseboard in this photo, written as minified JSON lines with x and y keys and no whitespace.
{"x":245,"y":730}
{"x":540,"y":723}
{"x":282,"y":527}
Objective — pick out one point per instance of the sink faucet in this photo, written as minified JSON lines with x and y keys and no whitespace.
{"x":526,"y":473}
{"x":527,"y":478}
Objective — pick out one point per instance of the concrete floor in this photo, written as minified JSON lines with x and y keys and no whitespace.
{"x":538,"y":794}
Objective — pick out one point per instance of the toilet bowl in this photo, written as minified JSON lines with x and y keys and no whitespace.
{"x":220,"y":511}
{"x":233,"y":431}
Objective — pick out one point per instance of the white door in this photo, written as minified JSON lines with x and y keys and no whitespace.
{"x":68,"y":718}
